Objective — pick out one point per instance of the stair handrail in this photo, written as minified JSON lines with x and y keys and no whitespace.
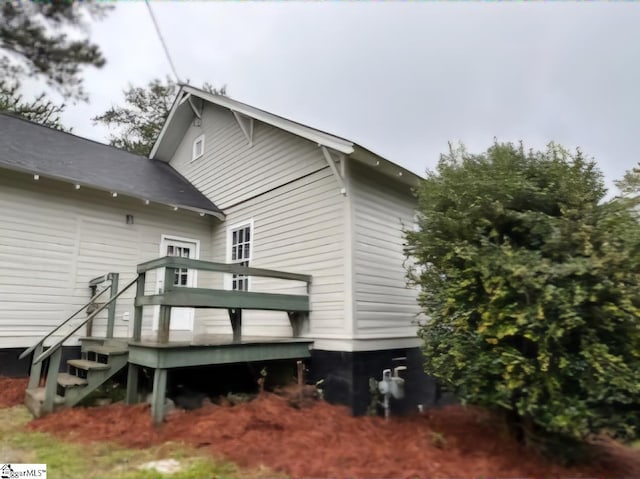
{"x":57,"y":346}
{"x":29,"y":350}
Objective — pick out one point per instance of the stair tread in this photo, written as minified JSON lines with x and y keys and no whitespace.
{"x":68,"y":380}
{"x":85,"y":364}
{"x":107,"y":350}
{"x":38,"y":395}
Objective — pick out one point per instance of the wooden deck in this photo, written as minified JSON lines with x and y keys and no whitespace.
{"x":187,"y":338}
{"x":202,"y":350}
{"x":182,"y":350}
{"x":169,"y":349}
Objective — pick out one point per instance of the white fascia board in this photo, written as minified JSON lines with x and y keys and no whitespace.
{"x":215,"y":214}
{"x":311,"y":134}
{"x":385,"y":166}
{"x":176,"y":103}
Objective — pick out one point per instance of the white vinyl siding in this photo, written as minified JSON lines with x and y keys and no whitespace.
{"x":54,"y":239}
{"x":297,"y":228}
{"x":382,"y":208}
{"x":352,"y":246}
{"x":231,"y":170}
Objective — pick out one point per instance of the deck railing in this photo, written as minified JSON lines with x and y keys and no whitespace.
{"x":296,"y":306}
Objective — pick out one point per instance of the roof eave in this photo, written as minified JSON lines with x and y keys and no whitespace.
{"x":217,"y":214}
{"x":389,"y":168}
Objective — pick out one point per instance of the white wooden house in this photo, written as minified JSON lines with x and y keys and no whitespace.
{"x":225,"y":183}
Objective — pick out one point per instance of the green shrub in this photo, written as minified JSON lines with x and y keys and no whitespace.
{"x":531,"y":282}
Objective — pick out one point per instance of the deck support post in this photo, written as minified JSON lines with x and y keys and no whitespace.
{"x":111,"y":318}
{"x":158,"y":395}
{"x":299,"y":323}
{"x":164,"y":324}
{"x":137,"y":314}
{"x":36,"y":369}
{"x":235,"y":315}
{"x":90,"y":309}
{"x":51,"y":387}
{"x":132,"y":384}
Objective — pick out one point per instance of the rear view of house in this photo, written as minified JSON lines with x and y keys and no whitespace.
{"x":316,"y":221}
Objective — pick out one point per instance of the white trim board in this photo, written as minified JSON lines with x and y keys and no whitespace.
{"x":354,"y":345}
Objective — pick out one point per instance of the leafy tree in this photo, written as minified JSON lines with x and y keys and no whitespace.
{"x":531,"y":283}
{"x":140,"y":121}
{"x":40,"y":109}
{"x":35,"y":43}
{"x":629,"y":185}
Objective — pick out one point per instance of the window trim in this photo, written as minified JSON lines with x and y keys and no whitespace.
{"x":228,"y":278}
{"x":195,"y":156}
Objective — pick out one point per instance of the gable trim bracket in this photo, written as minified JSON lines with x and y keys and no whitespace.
{"x":188,"y":97}
{"x":332,"y":164}
{"x":184,"y":98}
{"x":246,"y":125}
{"x":195,"y":110}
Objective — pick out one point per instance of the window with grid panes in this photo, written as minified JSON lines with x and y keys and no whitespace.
{"x":241,"y":253}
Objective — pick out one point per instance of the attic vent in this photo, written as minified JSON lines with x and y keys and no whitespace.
{"x":198,"y":148}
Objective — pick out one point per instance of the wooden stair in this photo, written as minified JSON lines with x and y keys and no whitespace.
{"x":101,"y":359}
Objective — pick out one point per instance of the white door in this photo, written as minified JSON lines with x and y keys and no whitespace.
{"x":181,"y":318}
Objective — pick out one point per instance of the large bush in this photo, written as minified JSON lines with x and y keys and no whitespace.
{"x":531,"y":282}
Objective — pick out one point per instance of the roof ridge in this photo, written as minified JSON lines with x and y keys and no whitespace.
{"x":262,"y":110}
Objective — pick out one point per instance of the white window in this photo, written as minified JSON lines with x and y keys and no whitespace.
{"x":240,"y":243}
{"x":198,"y":148}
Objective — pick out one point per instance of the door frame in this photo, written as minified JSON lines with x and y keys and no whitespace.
{"x":164,"y":239}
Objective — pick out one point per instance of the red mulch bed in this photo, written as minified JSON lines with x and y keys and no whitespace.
{"x":326,"y":441}
{"x":12,"y":391}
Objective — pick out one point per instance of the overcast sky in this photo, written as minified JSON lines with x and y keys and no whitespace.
{"x":400,"y":78}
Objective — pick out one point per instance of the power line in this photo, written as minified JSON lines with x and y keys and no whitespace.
{"x":164,"y":45}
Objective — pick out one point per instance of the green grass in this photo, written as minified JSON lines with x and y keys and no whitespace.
{"x":100,"y":460}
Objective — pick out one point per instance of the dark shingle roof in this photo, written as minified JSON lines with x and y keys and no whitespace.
{"x":33,"y":148}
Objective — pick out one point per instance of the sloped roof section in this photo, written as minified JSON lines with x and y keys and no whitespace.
{"x":36,"y":149}
{"x":181,"y":115}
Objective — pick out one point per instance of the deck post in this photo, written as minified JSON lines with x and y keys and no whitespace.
{"x":36,"y":369}
{"x":132,"y":384}
{"x":164,"y":323}
{"x":158,"y":395}
{"x":137,"y":315}
{"x":111,"y":317}
{"x":235,"y":316}
{"x":51,"y":387}
{"x":89,"y":326}
{"x":299,"y":322}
